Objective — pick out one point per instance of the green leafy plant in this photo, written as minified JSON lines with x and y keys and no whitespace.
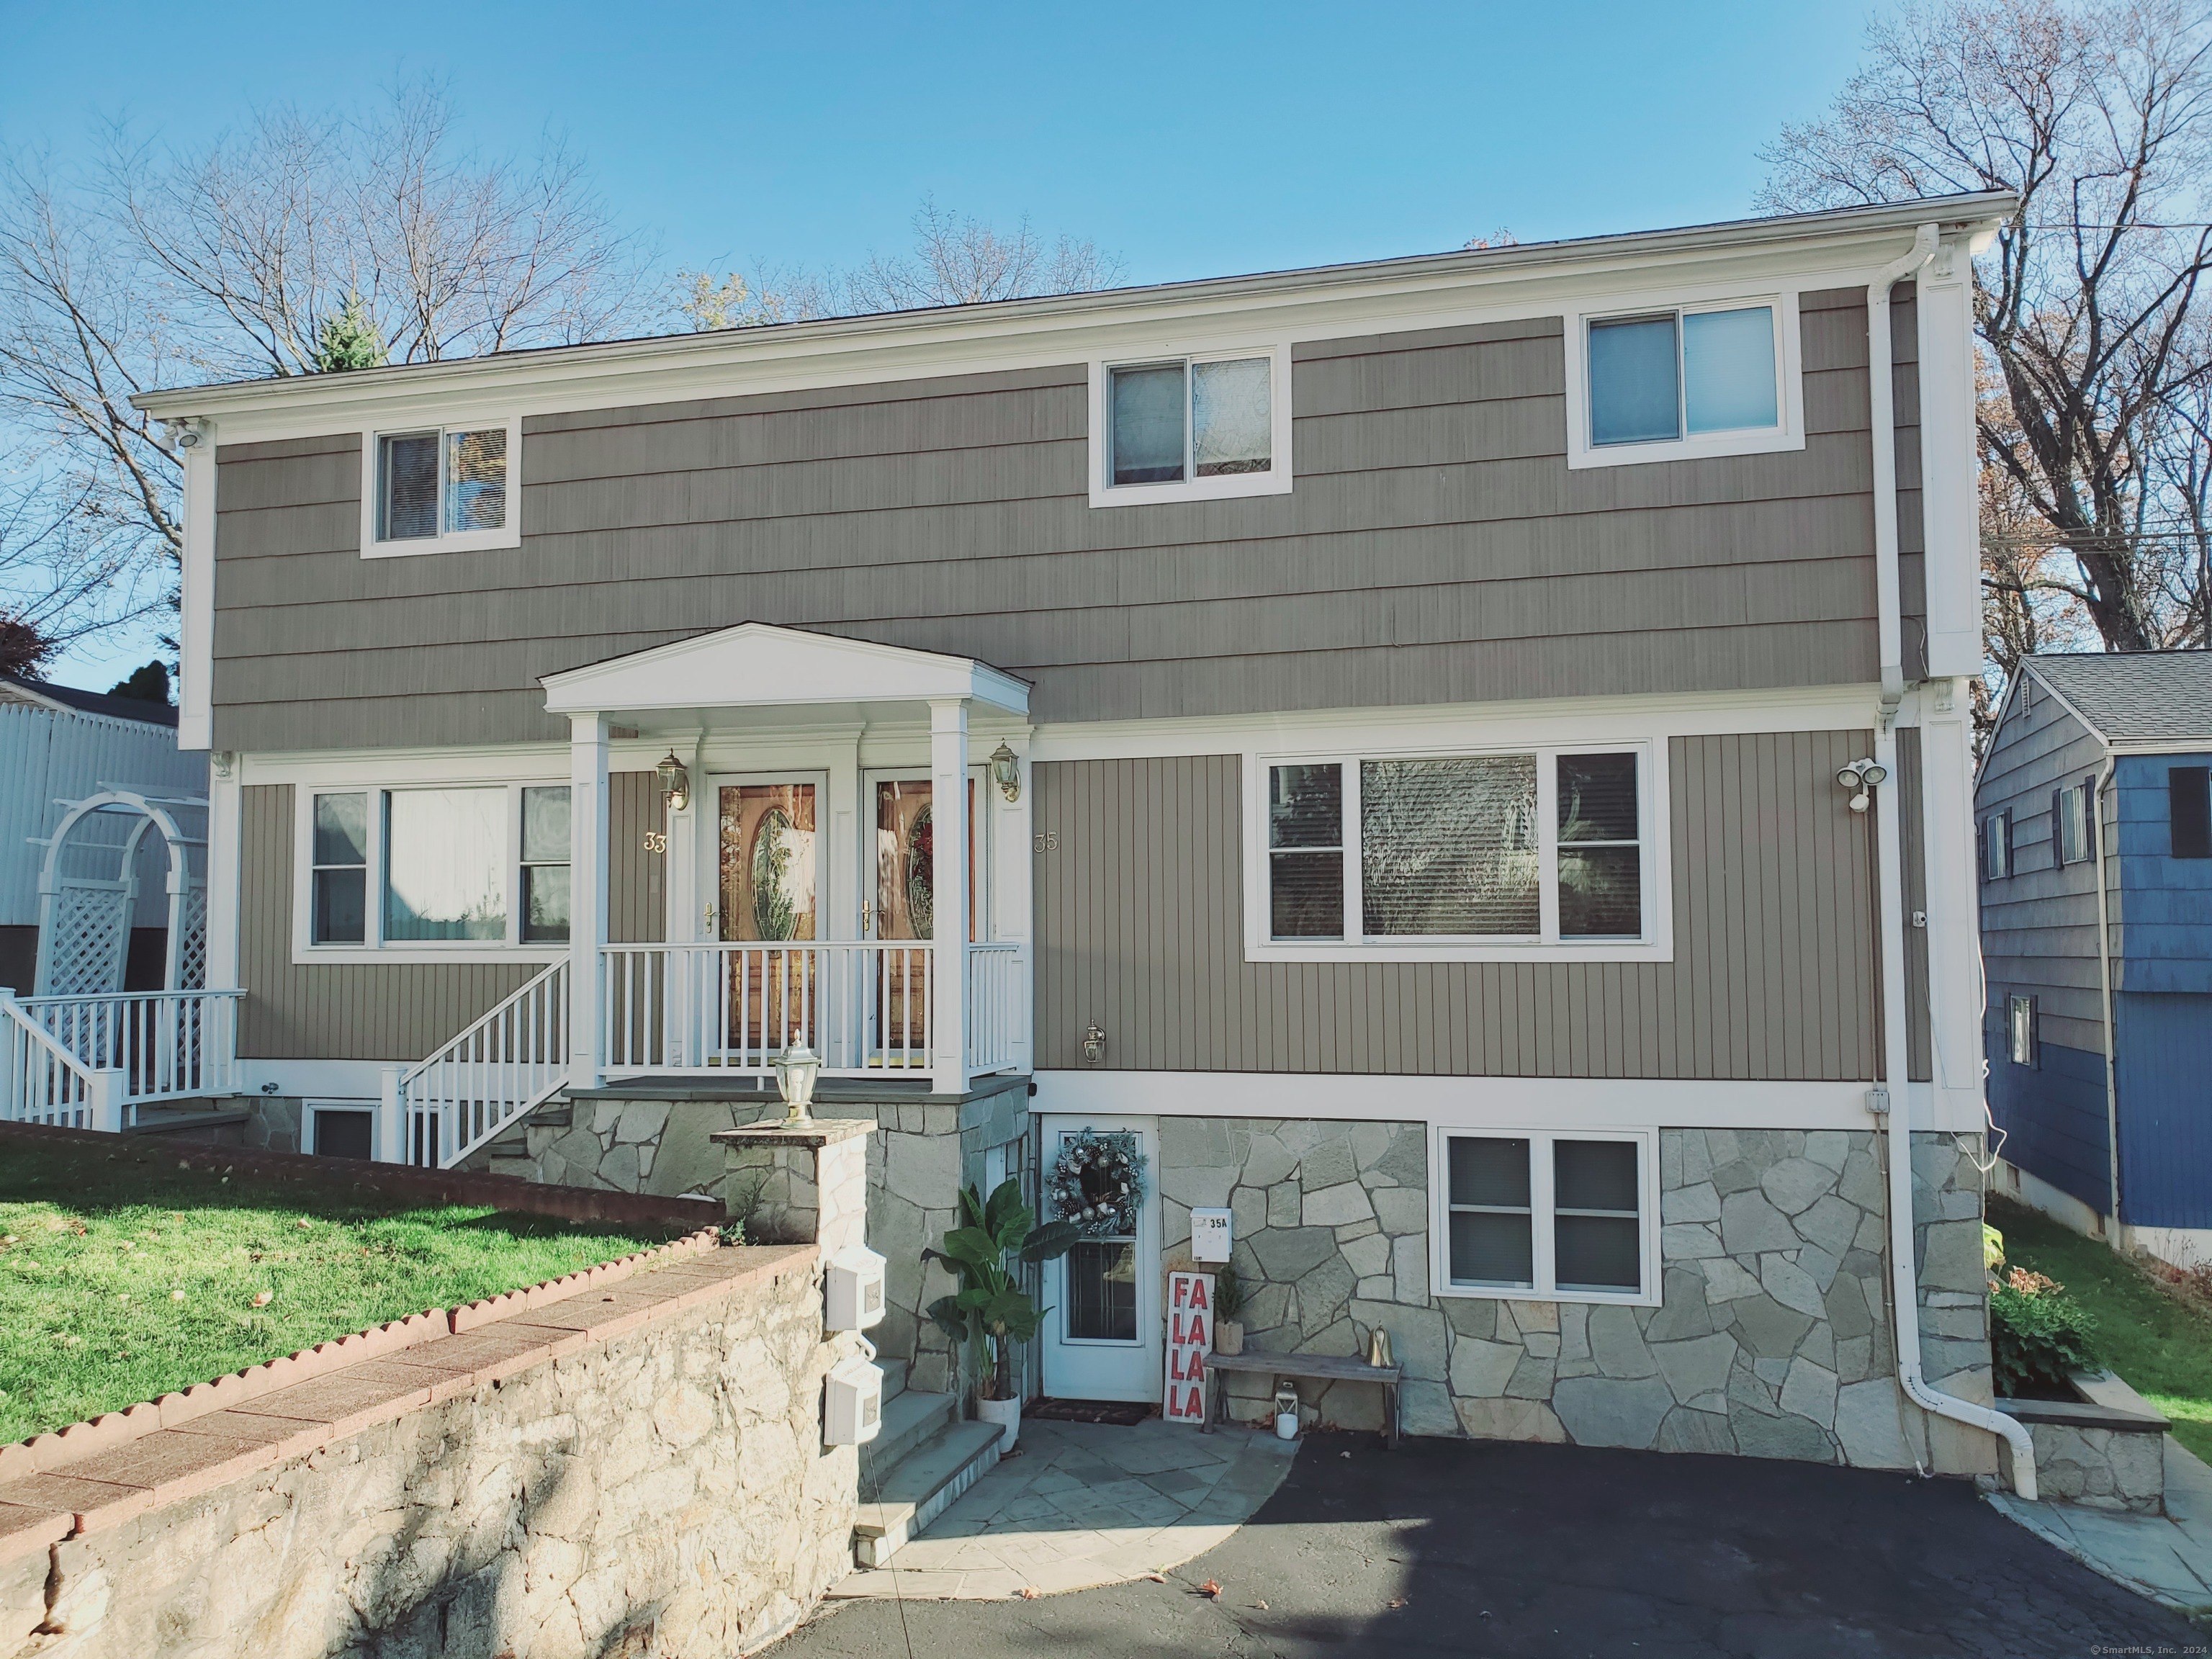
{"x":1228,"y":1293}
{"x":2037,"y":1333}
{"x":990,"y":1312}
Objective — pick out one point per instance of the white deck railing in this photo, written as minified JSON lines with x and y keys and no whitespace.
{"x":42,"y":1082}
{"x":493,"y":1072}
{"x":166,"y":1045}
{"x":998,"y":1006}
{"x":866,"y":1006}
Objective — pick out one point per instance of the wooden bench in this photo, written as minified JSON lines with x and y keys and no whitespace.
{"x":1324,"y":1366}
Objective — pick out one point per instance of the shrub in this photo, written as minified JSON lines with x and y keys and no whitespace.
{"x":2037,"y":1333}
{"x":1228,"y":1293}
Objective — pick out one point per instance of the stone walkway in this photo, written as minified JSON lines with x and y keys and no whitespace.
{"x":1078,"y":1505}
{"x":2167,"y":1558}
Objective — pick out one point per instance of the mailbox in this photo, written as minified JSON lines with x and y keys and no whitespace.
{"x":855,"y":1291}
{"x":853,"y":1403}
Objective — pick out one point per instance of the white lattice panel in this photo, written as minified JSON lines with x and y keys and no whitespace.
{"x":192,"y":950}
{"x":91,"y":935}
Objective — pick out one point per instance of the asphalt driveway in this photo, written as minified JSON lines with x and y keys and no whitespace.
{"x":1487,"y":1547}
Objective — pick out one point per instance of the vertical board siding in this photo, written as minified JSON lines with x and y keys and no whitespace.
{"x":1140,"y":931}
{"x":397,"y":1011}
{"x":1436,"y":548}
{"x":1919,"y":1041}
{"x":637,"y":880}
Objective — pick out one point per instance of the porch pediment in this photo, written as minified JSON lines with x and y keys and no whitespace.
{"x":756,"y":665}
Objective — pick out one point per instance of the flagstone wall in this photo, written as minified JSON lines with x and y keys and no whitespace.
{"x":1772,"y":1338}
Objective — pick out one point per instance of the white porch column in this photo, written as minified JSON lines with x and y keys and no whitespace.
{"x":587,"y":893}
{"x":223,"y":841}
{"x":948,"y":811}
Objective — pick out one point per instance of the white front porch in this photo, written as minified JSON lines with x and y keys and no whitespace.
{"x":842,"y":865}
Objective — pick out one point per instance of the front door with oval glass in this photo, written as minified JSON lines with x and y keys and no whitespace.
{"x":904,"y":908}
{"x":1101,"y":1336}
{"x":767,"y":899}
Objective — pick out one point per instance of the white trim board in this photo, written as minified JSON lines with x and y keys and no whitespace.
{"x":1486,"y":1102}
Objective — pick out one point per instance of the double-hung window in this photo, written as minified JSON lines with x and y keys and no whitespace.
{"x":2022,"y":1036}
{"x":1424,"y":853}
{"x":2071,"y":824}
{"x":440,"y":489}
{"x":437,"y":868}
{"x":1996,"y":846}
{"x":1545,"y":1216}
{"x":1190,"y":427}
{"x":1672,"y":382}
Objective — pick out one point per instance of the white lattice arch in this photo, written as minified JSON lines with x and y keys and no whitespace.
{"x":88,"y":890}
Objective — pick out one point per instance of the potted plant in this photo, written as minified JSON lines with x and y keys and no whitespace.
{"x":990,"y":1313}
{"x":1228,"y":1302}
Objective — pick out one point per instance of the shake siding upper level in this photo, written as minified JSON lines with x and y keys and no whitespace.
{"x":1436,"y":548}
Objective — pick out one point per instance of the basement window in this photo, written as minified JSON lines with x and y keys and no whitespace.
{"x":1546,"y":1216}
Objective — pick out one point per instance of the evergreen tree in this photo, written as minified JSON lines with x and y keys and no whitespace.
{"x":349,"y":340}
{"x":147,"y":685}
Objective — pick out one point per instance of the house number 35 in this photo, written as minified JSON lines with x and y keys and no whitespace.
{"x":1047,"y":841}
{"x":656,"y":841}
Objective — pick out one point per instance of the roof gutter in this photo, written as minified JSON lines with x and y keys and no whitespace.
{"x":1893,"y":1096}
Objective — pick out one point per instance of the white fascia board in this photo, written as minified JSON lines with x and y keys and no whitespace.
{"x":756,"y":664}
{"x":1534,"y":720}
{"x":1483,"y":1103}
{"x":1837,"y":250}
{"x":196,"y":601}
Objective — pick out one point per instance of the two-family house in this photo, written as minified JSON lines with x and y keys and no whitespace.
{"x":1461,"y":761}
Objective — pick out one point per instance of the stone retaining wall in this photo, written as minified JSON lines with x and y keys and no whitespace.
{"x":637,"y":1470}
{"x":1772,"y":1338}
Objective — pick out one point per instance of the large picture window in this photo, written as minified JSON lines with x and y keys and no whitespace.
{"x":1545,"y":1216}
{"x":1536,"y":847}
{"x":436,"y":869}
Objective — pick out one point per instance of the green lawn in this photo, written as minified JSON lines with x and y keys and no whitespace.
{"x":2160,"y":1344}
{"x":123,"y":1277}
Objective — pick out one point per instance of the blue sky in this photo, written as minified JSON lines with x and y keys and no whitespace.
{"x":1190,"y":140}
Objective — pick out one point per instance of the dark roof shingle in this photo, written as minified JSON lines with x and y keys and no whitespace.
{"x":2137,"y":696}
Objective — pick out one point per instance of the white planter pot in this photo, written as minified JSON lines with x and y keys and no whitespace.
{"x":1008,"y":1414}
{"x":1286,"y":1426}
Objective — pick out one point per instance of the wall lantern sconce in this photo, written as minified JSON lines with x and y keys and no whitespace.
{"x":675,"y":783}
{"x":1094,"y":1045}
{"x":1006,"y":772}
{"x":1862,"y":775}
{"x":796,"y":1069}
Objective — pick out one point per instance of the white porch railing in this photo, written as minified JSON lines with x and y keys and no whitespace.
{"x":446,"y":1107}
{"x":866,"y":1006}
{"x":42,"y":1082}
{"x":998,"y":1006}
{"x":165,"y":1045}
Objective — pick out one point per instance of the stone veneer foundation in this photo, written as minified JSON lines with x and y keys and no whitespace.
{"x":1772,"y":1338}
{"x":633,"y":1468}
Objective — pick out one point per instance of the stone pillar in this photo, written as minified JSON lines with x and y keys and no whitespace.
{"x":813,"y":1181}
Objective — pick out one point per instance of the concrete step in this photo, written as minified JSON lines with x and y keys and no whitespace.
{"x":196,"y":1125}
{"x":921,"y":1487}
{"x":895,"y":1374}
{"x":910,"y":1419}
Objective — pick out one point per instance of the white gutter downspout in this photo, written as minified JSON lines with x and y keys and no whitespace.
{"x":2104,"y":985}
{"x":1894,"y":1096}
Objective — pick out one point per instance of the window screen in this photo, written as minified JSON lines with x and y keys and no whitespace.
{"x":1601,"y":867}
{"x":340,"y":862}
{"x":1305,"y":852}
{"x":407,"y":491}
{"x":1635,"y":394}
{"x":1727,"y":369}
{"x":1492,"y":1220}
{"x":1147,"y":417}
{"x":2189,"y":802}
{"x":546,"y":864}
{"x":1231,"y":426}
{"x":476,"y":480}
{"x":1448,"y":847}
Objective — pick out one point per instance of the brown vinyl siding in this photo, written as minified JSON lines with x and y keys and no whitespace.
{"x":397,"y":1011}
{"x":1139,"y":928}
{"x":1436,"y":548}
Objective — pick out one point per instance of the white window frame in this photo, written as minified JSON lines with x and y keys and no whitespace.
{"x":468,"y":541}
{"x":2019,"y":1007}
{"x":374,"y":946}
{"x":2072,"y":830}
{"x":1996,"y":846}
{"x":1656,"y":943}
{"x":1275,"y":480}
{"x":1542,"y":1214}
{"x":1789,"y":402}
{"x":313,"y":1108}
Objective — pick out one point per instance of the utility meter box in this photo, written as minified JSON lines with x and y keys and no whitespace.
{"x":853,"y":1403}
{"x":855,"y":1291}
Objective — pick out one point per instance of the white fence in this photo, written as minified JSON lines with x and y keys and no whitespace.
{"x":439,"y":1111}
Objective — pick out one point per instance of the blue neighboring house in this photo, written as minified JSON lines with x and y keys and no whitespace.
{"x":2096,"y":790}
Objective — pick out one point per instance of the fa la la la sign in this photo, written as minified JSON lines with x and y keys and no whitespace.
{"x":1190,"y":1339}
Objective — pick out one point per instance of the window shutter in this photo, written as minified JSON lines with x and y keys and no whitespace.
{"x":2188,"y":808}
{"x":2058,"y":828}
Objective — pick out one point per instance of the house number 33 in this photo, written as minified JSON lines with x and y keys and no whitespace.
{"x":656,"y":841}
{"x":1046,"y":840}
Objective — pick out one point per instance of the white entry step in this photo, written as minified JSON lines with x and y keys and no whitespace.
{"x":920,"y":1486}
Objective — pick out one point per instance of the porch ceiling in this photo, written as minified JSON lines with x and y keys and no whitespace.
{"x":707,"y":679}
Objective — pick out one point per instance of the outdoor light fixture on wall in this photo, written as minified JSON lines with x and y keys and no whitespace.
{"x":675,"y":783}
{"x":1094,"y":1045}
{"x":1006,"y":772}
{"x":1862,"y":775}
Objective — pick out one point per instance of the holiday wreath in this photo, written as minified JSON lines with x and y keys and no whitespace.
{"x":1099,"y":1181}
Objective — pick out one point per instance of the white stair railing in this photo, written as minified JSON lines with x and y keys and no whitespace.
{"x":42,"y":1082}
{"x":167,"y":1045}
{"x":497,"y":1070}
